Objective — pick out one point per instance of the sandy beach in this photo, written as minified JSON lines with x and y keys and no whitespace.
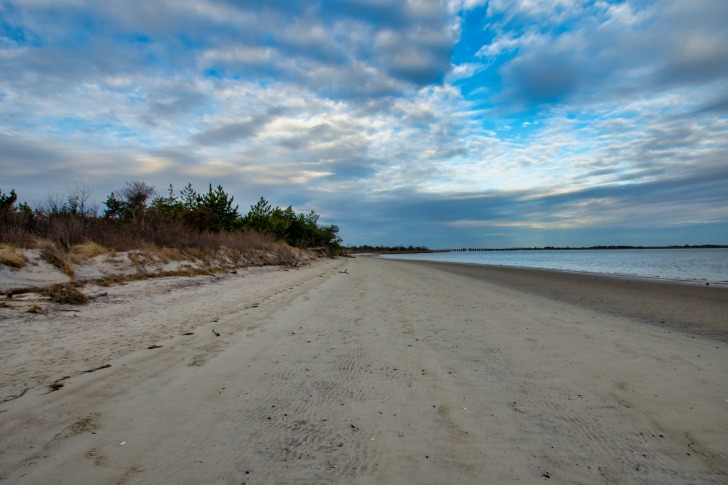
{"x":362,"y":370}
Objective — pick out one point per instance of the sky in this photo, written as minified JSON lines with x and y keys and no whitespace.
{"x":453,"y":123}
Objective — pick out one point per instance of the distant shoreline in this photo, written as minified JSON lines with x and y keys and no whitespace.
{"x":426,"y":250}
{"x":585,"y":248}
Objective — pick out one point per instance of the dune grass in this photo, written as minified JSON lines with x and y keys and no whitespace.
{"x":53,"y":254}
{"x":80,"y":253}
{"x":11,"y":256}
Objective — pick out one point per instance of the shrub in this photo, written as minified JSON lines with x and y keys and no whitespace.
{"x":205,"y":226}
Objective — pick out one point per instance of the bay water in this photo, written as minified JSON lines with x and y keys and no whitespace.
{"x":693,"y":265}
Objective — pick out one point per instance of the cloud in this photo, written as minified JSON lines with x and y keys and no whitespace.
{"x":382,"y":43}
{"x":17,"y":152}
{"x":233,"y":131}
{"x":543,"y":10}
{"x":566,"y":51}
{"x":397,"y":41}
{"x":404,"y":122}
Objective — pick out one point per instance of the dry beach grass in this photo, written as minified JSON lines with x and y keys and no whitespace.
{"x":11,"y":256}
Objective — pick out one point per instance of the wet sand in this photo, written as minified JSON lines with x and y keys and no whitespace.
{"x":365,"y":370}
{"x":694,"y":308}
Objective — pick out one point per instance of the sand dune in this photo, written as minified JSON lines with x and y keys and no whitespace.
{"x":389,"y":372}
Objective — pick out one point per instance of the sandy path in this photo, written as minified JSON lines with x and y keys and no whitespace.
{"x":394,"y":372}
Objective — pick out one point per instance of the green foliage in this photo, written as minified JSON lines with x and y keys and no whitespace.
{"x":7,"y":209}
{"x":296,"y":229}
{"x":15,"y":217}
{"x":25,"y":210}
{"x":213,"y":211}
{"x":259,"y":216}
{"x":115,"y":208}
{"x":7,"y":201}
{"x":130,"y":203}
{"x":220,"y":206}
{"x":189,"y":198}
{"x":167,"y":207}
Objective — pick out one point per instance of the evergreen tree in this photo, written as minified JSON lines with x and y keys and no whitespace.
{"x":7,"y":201}
{"x":220,"y":205}
{"x":130,"y":203}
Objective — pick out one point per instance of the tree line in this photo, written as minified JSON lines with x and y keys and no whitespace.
{"x":137,"y":205}
{"x":366,"y":248}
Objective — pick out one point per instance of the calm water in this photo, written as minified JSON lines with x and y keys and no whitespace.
{"x":691,"y":265}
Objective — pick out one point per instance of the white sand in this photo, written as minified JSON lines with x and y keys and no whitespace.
{"x":392,"y":373}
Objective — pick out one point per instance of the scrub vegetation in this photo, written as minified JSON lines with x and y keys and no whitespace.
{"x":70,"y":229}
